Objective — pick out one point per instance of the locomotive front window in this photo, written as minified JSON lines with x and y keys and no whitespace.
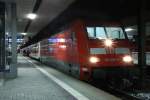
{"x":91,"y":32}
{"x":122,"y":51}
{"x":100,"y":33}
{"x":96,"y":32}
{"x":115,"y":32}
{"x":105,"y":32}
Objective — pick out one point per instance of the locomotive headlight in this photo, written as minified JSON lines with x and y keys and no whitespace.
{"x":127,"y":58}
{"x":94,"y":59}
{"x":108,"y":42}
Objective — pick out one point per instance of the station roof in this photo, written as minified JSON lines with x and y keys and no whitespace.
{"x":54,"y":13}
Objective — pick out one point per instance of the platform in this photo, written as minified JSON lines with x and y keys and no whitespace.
{"x":36,"y":81}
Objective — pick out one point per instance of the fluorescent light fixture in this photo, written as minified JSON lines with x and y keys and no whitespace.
{"x":31,"y":16}
{"x":129,"y":29}
{"x":24,"y":33}
{"x":7,"y":33}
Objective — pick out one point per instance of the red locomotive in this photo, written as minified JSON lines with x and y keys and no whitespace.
{"x":86,"y":49}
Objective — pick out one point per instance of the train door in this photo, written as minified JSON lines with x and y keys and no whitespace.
{"x":74,"y":66}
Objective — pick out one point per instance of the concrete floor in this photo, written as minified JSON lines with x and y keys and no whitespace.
{"x":36,"y":81}
{"x":31,"y":84}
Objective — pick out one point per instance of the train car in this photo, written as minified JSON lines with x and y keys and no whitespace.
{"x":35,"y":51}
{"x":88,"y":50}
{"x":25,"y":51}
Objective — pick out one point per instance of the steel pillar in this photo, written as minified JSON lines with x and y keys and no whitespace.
{"x":11,"y":29}
{"x":141,"y":41}
{"x":2,"y":37}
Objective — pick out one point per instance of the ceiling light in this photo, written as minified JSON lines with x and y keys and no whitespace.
{"x":128,"y":29}
{"x":31,"y":16}
{"x":24,"y":33}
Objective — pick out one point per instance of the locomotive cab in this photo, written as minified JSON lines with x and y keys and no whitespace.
{"x":107,"y":48}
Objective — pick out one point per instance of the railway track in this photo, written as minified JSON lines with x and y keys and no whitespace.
{"x":137,"y":92}
{"x":131,"y":95}
{"x":126,"y":94}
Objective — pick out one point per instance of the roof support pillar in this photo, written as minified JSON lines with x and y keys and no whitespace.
{"x":2,"y":37}
{"x":141,"y":41}
{"x":11,"y":29}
